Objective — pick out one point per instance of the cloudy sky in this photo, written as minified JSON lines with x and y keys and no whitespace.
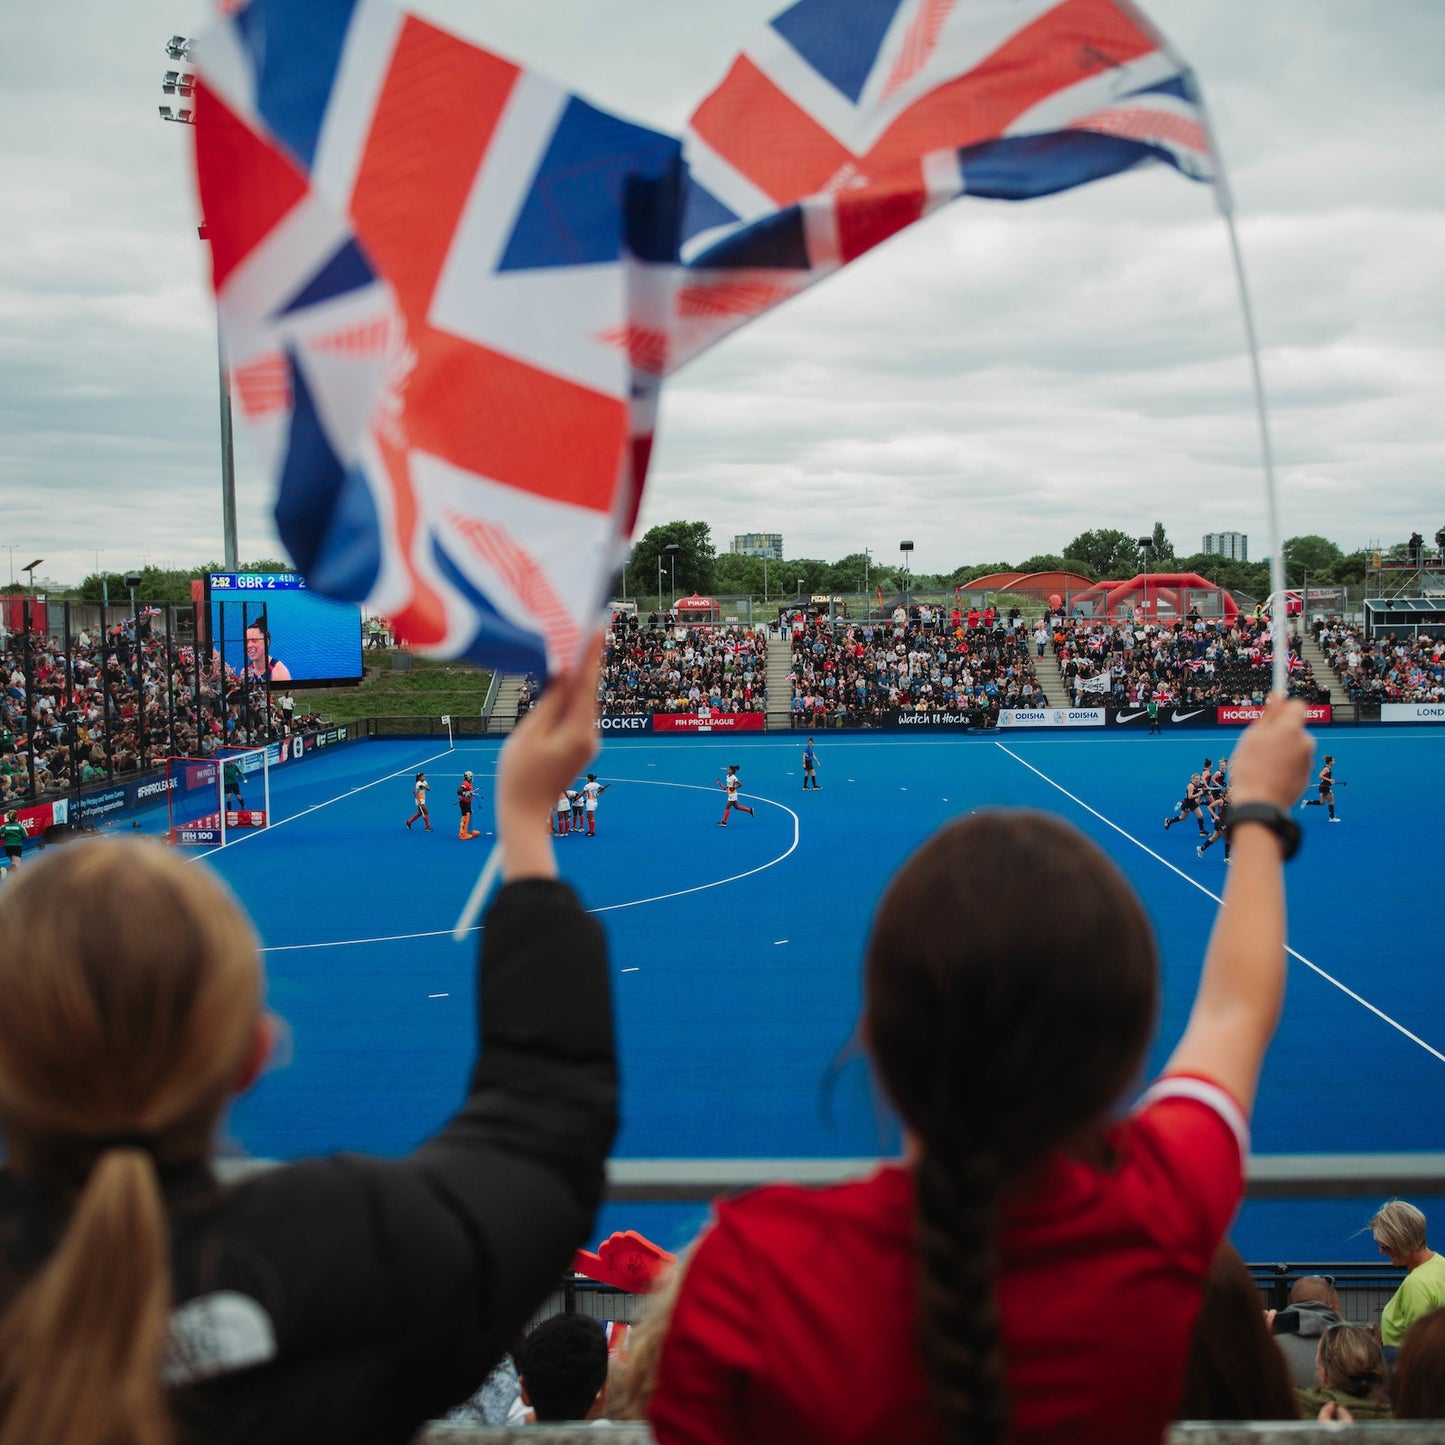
{"x":988,"y":384}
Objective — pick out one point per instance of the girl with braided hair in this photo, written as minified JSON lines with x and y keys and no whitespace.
{"x":1031,"y":1269}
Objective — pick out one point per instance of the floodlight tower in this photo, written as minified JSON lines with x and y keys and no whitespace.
{"x":180,"y":83}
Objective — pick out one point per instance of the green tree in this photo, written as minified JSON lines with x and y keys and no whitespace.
{"x":961,"y":576}
{"x":1349,"y":571}
{"x":848,"y":574}
{"x":156,"y":585}
{"x":1162,"y":549}
{"x":1042,"y":562}
{"x":1251,"y":578}
{"x":812,"y":572}
{"x":1108,"y":552}
{"x":1312,"y":556}
{"x":734,"y":575}
{"x":690,"y":569}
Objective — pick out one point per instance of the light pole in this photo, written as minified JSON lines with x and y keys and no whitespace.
{"x":182,"y":84}
{"x":10,"y":548}
{"x":670,"y":550}
{"x":765,"y":576}
{"x":905,"y":548}
{"x":30,"y":568}
{"x":1145,"y":546}
{"x":801,"y":580}
{"x":867,"y":603}
{"x":132,"y":581}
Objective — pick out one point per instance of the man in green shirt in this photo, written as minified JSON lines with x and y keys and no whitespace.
{"x":231,"y":772}
{"x":1399,"y":1231}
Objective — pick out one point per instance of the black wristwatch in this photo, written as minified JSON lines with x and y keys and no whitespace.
{"x":1275,"y":819}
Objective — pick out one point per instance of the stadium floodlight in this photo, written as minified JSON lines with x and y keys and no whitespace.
{"x":183,"y":83}
{"x":671,"y":551}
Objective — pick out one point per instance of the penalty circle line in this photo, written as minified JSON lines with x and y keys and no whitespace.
{"x":605,"y":908}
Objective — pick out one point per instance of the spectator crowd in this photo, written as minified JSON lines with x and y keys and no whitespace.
{"x":122,"y":699}
{"x":1190,"y":660}
{"x":919,"y":660}
{"x":663,"y":665}
{"x":1384,"y":669}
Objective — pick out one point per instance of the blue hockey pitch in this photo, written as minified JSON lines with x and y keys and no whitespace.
{"x":736,"y":951}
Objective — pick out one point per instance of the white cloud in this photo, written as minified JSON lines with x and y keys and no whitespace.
{"x":990,"y":383}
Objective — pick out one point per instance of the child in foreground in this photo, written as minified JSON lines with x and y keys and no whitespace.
{"x":1031,"y":1269}
{"x":343,"y":1298}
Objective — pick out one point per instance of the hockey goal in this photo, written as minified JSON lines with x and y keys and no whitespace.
{"x":208,"y":797}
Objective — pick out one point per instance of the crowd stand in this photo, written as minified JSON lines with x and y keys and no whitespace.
{"x":918,"y":660}
{"x":663,"y":665}
{"x":1189,"y":660}
{"x":94,"y":703}
{"x":1386,"y":669}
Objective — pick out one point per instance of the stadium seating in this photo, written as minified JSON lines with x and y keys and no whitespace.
{"x":858,"y":675}
{"x":675,"y":669}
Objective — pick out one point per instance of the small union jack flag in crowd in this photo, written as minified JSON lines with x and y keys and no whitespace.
{"x":450,"y":289}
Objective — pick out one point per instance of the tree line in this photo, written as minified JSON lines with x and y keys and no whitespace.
{"x":695,"y":565}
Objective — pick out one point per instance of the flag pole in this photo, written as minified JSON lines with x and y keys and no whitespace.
{"x":1279,"y":620}
{"x":478,"y":897}
{"x":1279,"y":605}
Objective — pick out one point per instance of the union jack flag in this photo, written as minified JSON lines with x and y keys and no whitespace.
{"x":847,"y":120}
{"x":451,"y":290}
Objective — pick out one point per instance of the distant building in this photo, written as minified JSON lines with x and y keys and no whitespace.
{"x":759,"y":544}
{"x":1234,"y":545}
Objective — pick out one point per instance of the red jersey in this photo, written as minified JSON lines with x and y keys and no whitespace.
{"x":797,"y":1316}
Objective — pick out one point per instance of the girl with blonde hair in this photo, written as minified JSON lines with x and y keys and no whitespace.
{"x":334,"y":1299}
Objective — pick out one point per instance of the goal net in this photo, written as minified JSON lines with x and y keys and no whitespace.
{"x":210,"y":798}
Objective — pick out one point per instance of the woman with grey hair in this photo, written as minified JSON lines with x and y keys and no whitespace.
{"x":1399,"y":1231}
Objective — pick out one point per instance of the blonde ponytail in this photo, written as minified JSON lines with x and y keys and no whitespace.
{"x":80,"y":1348}
{"x":132,"y":990}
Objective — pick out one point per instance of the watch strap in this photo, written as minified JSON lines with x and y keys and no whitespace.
{"x":1275,"y":819}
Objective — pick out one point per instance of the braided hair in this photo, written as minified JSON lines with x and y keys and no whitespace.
{"x":1001,"y":1030}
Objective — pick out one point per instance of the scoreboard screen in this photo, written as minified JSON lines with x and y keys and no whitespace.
{"x":270,"y":626}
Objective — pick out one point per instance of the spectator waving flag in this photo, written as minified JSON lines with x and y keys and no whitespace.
{"x":450,"y":289}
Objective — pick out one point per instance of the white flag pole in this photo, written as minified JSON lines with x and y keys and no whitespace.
{"x":451,"y":742}
{"x":478,"y":898}
{"x":1279,"y":606}
{"x":1279,"y":609}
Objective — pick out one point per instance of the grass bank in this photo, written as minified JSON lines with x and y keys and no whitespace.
{"x":425,"y":689}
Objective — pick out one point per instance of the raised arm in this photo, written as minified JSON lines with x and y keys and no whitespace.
{"x":1241,"y":990}
{"x":523,"y":1160}
{"x":552,"y":744}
